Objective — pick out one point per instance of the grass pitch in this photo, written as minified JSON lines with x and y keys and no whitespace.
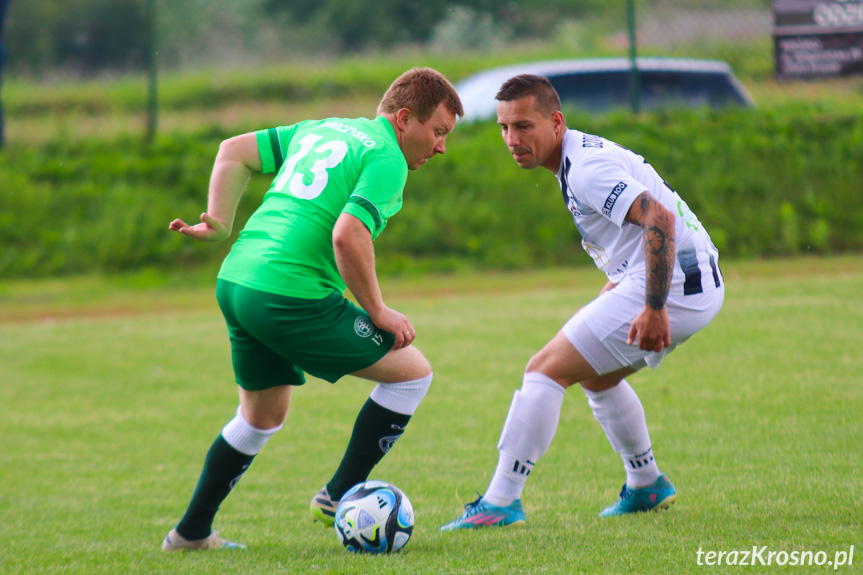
{"x":112,"y":393}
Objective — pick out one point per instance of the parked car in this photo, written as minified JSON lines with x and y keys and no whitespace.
{"x":603,"y":83}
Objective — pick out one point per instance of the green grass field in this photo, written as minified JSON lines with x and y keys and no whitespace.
{"x":112,"y":392}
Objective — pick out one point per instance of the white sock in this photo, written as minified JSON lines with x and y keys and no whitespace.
{"x":246,"y":439}
{"x":530,"y":426}
{"x":621,"y":415}
{"x":404,"y":397}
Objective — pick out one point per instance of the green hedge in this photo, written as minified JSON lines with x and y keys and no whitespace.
{"x":215,"y":88}
{"x":763,"y":183}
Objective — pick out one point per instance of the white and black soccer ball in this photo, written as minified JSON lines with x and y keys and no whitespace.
{"x":374,"y":517}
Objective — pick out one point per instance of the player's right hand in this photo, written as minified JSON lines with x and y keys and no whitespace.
{"x":397,"y":324}
{"x":209,"y":230}
{"x":651,"y":329}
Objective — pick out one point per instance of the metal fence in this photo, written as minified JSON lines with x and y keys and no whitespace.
{"x":784,"y":51}
{"x":811,"y":52}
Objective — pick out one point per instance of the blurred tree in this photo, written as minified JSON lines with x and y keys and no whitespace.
{"x":465,"y":29}
{"x":98,"y":34}
{"x":4,"y":4}
{"x":538,"y":18}
{"x":365,"y":23}
{"x":83,"y":37}
{"x":87,"y":36}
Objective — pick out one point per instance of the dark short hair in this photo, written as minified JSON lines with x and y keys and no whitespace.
{"x":524,"y":85}
{"x":421,"y":90}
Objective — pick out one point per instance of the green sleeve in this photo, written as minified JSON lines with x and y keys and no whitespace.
{"x":272,"y":145}
{"x":366,"y":212}
{"x":377,"y":195}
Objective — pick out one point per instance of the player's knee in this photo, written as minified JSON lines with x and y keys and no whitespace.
{"x":533,"y":364}
{"x":269,"y":419}
{"x":602,"y":382}
{"x":265,"y":409}
{"x":552,"y":368}
{"x":417,"y":366}
{"x":541,"y":362}
{"x":423,"y":367}
{"x":246,"y":437}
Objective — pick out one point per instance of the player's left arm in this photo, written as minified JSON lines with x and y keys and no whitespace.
{"x":651,"y":327}
{"x":237,"y":159}
{"x":355,"y":258}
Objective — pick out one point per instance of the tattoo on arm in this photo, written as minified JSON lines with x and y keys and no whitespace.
{"x":659,"y":248}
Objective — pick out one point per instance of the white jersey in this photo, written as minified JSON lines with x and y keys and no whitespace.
{"x":600,"y":180}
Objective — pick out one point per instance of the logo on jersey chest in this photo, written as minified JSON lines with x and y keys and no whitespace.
{"x":573,"y":207}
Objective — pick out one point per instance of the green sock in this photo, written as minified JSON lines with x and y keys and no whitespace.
{"x":375,"y":431}
{"x":223,"y":467}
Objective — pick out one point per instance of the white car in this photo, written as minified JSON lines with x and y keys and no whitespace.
{"x":603,"y":83}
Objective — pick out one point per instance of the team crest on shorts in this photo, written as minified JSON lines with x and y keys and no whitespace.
{"x":363,"y":326}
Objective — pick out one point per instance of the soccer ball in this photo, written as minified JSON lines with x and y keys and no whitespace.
{"x":374,"y":517}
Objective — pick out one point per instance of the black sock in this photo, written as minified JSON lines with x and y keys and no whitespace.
{"x":223,"y":467}
{"x":375,"y":431}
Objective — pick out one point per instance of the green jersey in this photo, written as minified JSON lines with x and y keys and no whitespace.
{"x":323,"y":168}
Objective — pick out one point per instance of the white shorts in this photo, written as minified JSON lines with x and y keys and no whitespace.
{"x":600,"y":329}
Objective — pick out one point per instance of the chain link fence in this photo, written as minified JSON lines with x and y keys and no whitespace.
{"x":45,"y":41}
{"x":744,"y":35}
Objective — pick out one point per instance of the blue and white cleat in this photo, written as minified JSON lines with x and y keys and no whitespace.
{"x":659,"y":495}
{"x":176,"y":542}
{"x":481,"y":513}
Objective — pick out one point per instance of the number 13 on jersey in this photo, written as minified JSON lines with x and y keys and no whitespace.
{"x":332,"y":153}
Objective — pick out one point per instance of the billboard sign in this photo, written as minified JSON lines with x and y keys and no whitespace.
{"x":815,"y":38}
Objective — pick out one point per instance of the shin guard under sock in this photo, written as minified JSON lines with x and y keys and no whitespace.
{"x":375,"y":431}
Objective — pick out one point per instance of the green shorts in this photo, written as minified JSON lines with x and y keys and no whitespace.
{"x":274,"y":338}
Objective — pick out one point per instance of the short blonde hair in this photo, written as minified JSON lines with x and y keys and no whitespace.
{"x":421,"y":90}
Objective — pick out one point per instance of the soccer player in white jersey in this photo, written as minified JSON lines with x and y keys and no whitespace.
{"x":664,"y":285}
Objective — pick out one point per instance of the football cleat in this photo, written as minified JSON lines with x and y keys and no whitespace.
{"x":659,"y":495}
{"x":323,"y":508}
{"x":481,"y":513}
{"x":176,"y":542}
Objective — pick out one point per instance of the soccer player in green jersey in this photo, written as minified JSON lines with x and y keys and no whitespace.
{"x":281,"y":288}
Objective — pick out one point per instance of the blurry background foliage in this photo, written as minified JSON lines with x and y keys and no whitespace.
{"x":88,"y":36}
{"x":81,"y":192}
